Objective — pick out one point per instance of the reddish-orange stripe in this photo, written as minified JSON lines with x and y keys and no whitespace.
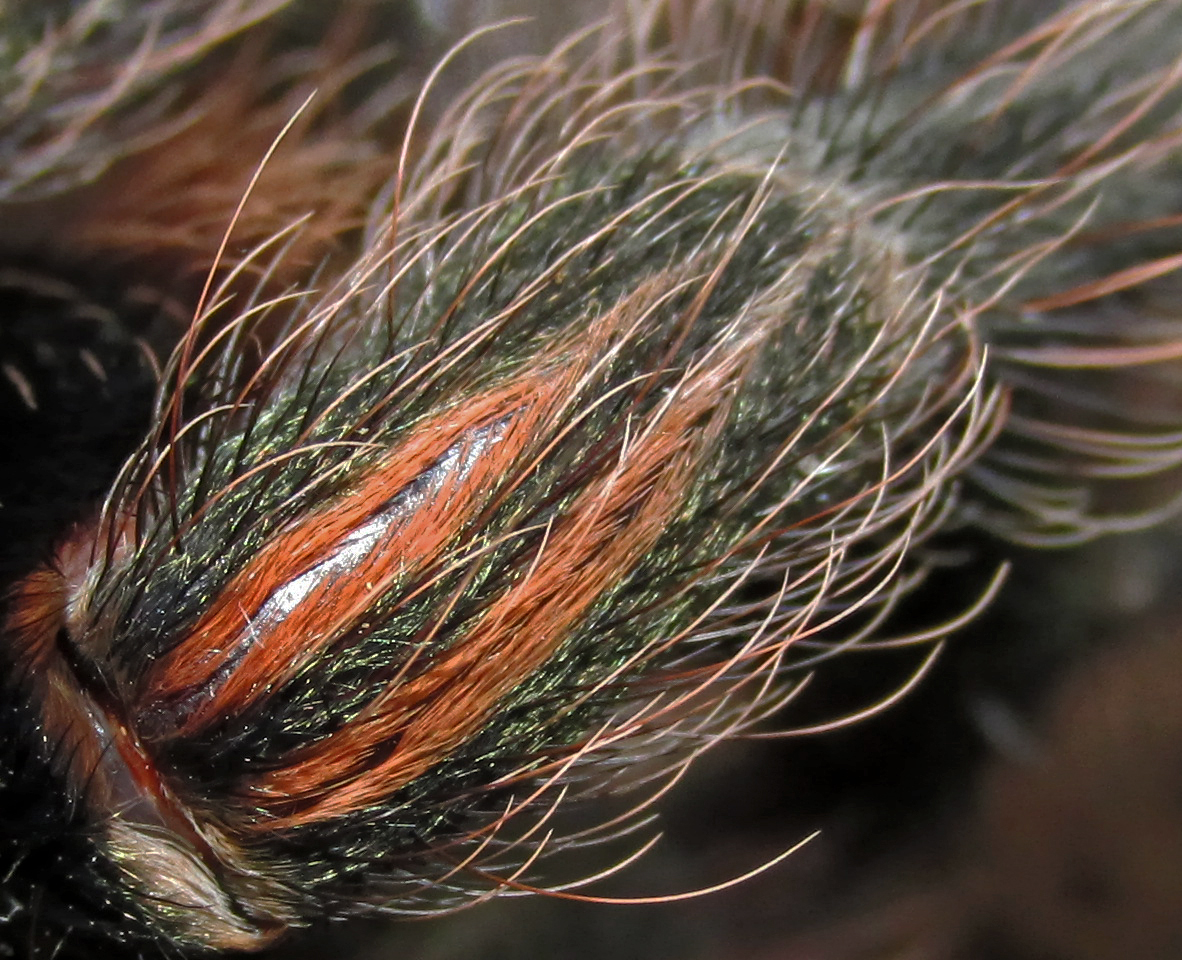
{"x":336,"y":602}
{"x":609,"y":528}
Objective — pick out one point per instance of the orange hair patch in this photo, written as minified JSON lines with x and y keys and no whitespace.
{"x":79,"y":720}
{"x":312,"y":582}
{"x":417,"y":722}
